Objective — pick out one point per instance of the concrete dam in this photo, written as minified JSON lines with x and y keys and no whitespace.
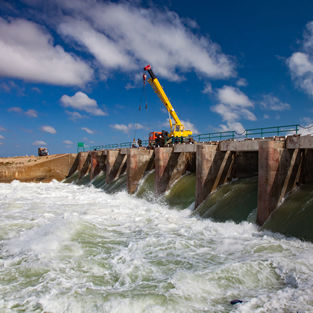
{"x":279,"y":166}
{"x":261,"y":172}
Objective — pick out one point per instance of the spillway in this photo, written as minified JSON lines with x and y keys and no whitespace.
{"x":294,"y":217}
{"x":234,"y":201}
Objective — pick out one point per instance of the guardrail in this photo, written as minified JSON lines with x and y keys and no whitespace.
{"x":216,"y":136}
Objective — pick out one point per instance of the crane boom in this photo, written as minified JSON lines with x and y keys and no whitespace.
{"x":179,"y":129}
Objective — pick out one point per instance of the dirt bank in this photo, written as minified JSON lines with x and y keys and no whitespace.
{"x":36,"y":169}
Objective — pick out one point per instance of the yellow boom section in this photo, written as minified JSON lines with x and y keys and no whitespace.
{"x":178,"y":130}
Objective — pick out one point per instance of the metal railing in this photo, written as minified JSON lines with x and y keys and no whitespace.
{"x":216,"y":136}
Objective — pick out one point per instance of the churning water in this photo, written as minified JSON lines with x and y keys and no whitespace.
{"x":72,"y":248}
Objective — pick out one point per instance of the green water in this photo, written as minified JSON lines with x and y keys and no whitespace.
{"x":234,"y":201}
{"x":71,"y":179}
{"x":99,"y":180}
{"x":146,"y":187}
{"x":85,"y":180}
{"x":295,"y":216}
{"x":117,"y":185}
{"x":182,"y":193}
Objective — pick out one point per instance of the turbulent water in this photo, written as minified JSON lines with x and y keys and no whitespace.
{"x":73,"y":248}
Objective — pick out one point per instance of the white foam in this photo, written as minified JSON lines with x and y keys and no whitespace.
{"x":68,"y":248}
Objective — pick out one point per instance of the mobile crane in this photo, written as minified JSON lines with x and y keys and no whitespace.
{"x":177,"y":128}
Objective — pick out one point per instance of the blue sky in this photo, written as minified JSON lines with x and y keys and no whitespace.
{"x":70,"y":71}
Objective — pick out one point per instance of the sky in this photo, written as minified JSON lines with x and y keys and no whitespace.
{"x":71,"y":71}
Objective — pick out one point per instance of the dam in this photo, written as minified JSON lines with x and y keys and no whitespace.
{"x":280,"y":164}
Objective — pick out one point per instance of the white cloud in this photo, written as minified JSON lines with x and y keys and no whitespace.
{"x":75,"y":115}
{"x":207,"y":88}
{"x":68,"y":142}
{"x":190,"y":126}
{"x":241,"y":82}
{"x":300,"y":63}
{"x":15,"y":109}
{"x":87,"y":130}
{"x":233,"y":105}
{"x":1,"y":137}
{"x":39,"y":143}
{"x":126,"y":128}
{"x":29,"y":113}
{"x":80,"y":101}
{"x":48,"y":129}
{"x":233,"y":97}
{"x":119,"y":34}
{"x":2,"y":129}
{"x":304,"y":130}
{"x":271,"y":102}
{"x":27,"y":52}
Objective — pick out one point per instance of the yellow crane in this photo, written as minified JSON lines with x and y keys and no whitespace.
{"x":177,"y":128}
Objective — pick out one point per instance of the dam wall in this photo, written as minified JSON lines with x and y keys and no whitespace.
{"x":280,"y":163}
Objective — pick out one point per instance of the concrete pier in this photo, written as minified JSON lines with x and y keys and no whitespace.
{"x":115,"y":164}
{"x":84,"y":167}
{"x":97,"y":160}
{"x":213,"y":168}
{"x":139,"y":161}
{"x":171,"y":165}
{"x":279,"y":173}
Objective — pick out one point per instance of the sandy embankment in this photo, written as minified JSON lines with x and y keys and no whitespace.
{"x":34,"y":168}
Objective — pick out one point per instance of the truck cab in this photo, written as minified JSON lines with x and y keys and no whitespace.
{"x":42,"y":151}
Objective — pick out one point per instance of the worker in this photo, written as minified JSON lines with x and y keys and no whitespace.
{"x":134,"y":144}
{"x":139,"y":141}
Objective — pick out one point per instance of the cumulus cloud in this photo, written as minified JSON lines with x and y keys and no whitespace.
{"x":1,"y":137}
{"x":2,"y":129}
{"x":68,"y":142}
{"x":80,"y":101}
{"x":300,"y":63}
{"x":271,"y":102}
{"x":27,"y":52}
{"x":233,"y":105}
{"x":87,"y":130}
{"x":126,"y":128}
{"x":48,"y":129}
{"x":117,"y":36}
{"x":39,"y":143}
{"x":241,"y":82}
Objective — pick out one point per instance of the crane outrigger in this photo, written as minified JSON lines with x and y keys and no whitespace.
{"x":177,"y":128}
